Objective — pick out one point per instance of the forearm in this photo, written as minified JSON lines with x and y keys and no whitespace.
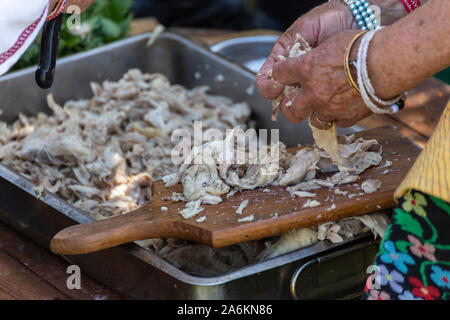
{"x":412,"y":49}
{"x":391,"y":10}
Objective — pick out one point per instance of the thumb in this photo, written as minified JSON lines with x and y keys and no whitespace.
{"x":290,"y":71}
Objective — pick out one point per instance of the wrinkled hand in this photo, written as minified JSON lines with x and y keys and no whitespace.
{"x":316,"y":26}
{"x":325,"y":87}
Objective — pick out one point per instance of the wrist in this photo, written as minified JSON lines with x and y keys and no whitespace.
{"x":385,"y":80}
{"x":381,"y":81}
{"x":392,"y":10}
{"x":367,"y":90}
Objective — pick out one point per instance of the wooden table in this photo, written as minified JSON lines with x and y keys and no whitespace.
{"x":28,"y":271}
{"x":423,"y":109}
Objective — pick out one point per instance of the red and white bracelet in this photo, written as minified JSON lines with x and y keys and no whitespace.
{"x":411,"y":5}
{"x":59,"y":8}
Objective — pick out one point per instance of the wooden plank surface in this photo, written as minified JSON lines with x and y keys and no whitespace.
{"x":222,"y":221}
{"x":13,"y":276}
{"x":28,"y":271}
{"x":274,"y":212}
{"x":423,"y":109}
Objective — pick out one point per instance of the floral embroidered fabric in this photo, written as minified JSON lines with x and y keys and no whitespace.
{"x":413,"y":262}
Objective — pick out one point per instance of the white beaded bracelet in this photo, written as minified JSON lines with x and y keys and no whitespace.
{"x":364,"y":83}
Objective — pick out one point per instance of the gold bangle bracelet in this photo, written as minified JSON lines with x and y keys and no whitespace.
{"x":347,"y":63}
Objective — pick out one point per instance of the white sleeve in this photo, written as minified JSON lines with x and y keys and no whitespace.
{"x":20,"y":22}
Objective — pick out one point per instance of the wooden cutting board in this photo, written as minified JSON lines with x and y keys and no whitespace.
{"x":274,"y":210}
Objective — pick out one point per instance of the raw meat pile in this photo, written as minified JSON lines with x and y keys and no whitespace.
{"x":224,"y":167}
{"x":102,"y":156}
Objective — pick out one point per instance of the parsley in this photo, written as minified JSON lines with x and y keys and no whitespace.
{"x":103,"y":22}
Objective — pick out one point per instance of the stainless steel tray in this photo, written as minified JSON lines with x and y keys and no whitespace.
{"x":131,"y":270}
{"x":251,"y":51}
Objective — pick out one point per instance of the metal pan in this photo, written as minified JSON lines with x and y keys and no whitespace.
{"x":131,"y":270}
{"x":251,"y":52}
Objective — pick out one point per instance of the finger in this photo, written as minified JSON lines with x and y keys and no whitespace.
{"x":305,"y":27}
{"x":319,"y":120}
{"x":266,"y":85}
{"x":303,"y":104}
{"x":290,"y":71}
{"x":269,"y":88}
{"x":287,"y":111}
{"x":297,"y":105}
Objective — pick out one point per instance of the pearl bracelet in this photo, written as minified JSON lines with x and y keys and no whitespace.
{"x":364,"y":16}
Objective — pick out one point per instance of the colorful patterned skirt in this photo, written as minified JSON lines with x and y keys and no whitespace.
{"x":414,"y":258}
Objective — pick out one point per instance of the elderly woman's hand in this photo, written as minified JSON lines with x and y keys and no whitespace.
{"x":82,"y":4}
{"x":325,"y":87}
{"x":316,"y":26}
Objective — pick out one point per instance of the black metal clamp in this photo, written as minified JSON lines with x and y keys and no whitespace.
{"x":45,"y":72}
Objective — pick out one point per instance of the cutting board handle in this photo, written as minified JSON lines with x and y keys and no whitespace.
{"x":98,"y":235}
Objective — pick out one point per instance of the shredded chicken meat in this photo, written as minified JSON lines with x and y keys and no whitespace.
{"x":222,"y":166}
{"x":371,"y":185}
{"x":102,"y":156}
